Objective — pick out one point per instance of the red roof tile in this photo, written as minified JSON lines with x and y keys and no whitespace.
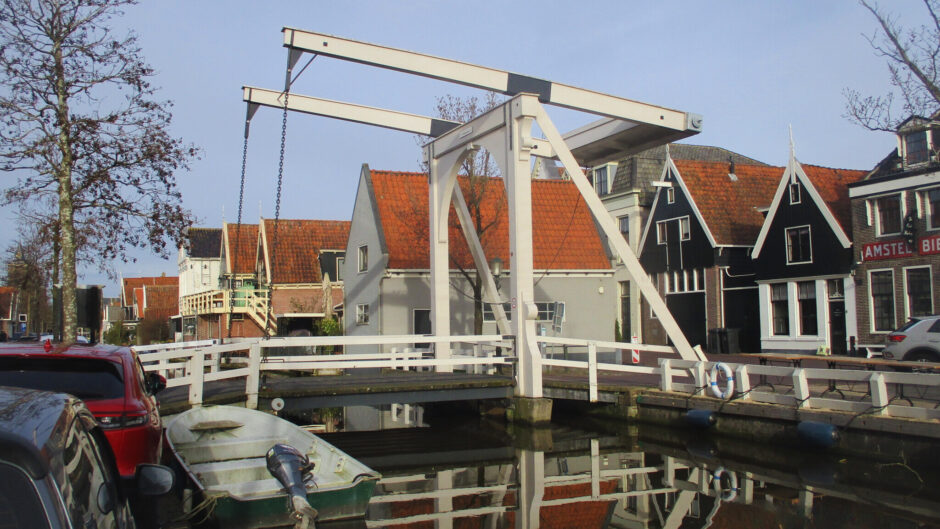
{"x":130,"y":283}
{"x":564,"y":235}
{"x":299,"y":243}
{"x":832,"y":185}
{"x":729,"y":206}
{"x":244,"y":237}
{"x":160,"y":301}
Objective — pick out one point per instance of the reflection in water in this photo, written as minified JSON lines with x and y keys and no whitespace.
{"x":479,"y":475}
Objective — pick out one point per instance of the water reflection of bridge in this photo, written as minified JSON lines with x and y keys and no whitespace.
{"x":601,"y":483}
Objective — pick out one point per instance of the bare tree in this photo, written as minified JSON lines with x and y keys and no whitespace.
{"x":79,"y":125}
{"x":913,"y":59}
{"x":479,"y":188}
{"x":26,"y":264}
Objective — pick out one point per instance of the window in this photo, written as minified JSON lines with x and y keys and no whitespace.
{"x":915,"y":146}
{"x":661,"y":233}
{"x":546,"y":311}
{"x":806,"y":293}
{"x":836,"y":288}
{"x":882,"y":300}
{"x":917,"y":288}
{"x":889,"y":215}
{"x":799,"y":245}
{"x":933,"y":200}
{"x":681,"y":281}
{"x":340,"y":263}
{"x":489,"y":315}
{"x":626,"y":322}
{"x":362,"y":314}
{"x":363,"y":258}
{"x":601,"y":184}
{"x":670,"y":195}
{"x":19,"y":501}
{"x":795,"y":193}
{"x":624,"y":223}
{"x":684,"y":230}
{"x":779,"y":305}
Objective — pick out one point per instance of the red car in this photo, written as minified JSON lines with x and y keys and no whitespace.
{"x":109,"y":379}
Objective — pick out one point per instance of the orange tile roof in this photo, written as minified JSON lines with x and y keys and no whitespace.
{"x":246,"y":240}
{"x":832,"y":185}
{"x":130,"y":283}
{"x":161,"y":301}
{"x":299,"y":243}
{"x":730,"y":207}
{"x":564,"y":235}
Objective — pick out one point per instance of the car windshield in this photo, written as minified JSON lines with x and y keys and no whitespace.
{"x":86,"y":378}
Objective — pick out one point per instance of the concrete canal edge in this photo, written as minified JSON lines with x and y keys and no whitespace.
{"x":872,"y":436}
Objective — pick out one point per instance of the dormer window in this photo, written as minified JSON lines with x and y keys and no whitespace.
{"x":603,"y":178}
{"x":915,"y":147}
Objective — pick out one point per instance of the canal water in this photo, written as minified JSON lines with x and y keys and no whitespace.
{"x":445,"y":469}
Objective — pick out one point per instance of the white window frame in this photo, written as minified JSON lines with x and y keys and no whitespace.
{"x":907,"y":304}
{"x":363,"y":255}
{"x":770,"y":298}
{"x":871,"y":304}
{"x":610,"y":170}
{"x":621,"y":221}
{"x":876,"y":210}
{"x":362,"y":314}
{"x":662,"y":232}
{"x":340,"y":264}
{"x":685,"y":228}
{"x":931,"y":214}
{"x":670,"y":195}
{"x":786,"y":242}
{"x":795,"y":195}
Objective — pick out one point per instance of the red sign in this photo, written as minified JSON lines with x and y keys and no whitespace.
{"x":886,"y":250}
{"x":929,"y":245}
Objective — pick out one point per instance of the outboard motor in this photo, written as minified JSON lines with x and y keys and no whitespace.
{"x":292,"y":469}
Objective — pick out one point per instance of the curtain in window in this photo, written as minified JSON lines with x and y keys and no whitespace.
{"x":778,"y":302}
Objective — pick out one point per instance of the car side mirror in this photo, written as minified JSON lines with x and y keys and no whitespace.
{"x":105,"y":500}
{"x":153,"y":480}
{"x":155,"y":382}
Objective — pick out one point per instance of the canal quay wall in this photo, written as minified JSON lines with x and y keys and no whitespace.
{"x":874,"y":437}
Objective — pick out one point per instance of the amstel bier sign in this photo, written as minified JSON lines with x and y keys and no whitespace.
{"x":899,"y":248}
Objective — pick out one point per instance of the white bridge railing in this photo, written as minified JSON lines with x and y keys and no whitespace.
{"x":796,"y":386}
{"x":193,"y":364}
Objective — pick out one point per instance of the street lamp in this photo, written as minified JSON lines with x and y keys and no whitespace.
{"x":496,"y":268}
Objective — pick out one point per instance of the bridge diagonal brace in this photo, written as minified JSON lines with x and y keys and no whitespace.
{"x":623,"y":249}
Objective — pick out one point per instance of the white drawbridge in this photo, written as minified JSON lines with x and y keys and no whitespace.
{"x":507,"y":133}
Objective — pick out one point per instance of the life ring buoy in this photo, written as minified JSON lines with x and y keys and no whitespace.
{"x":729,"y":380}
{"x":732,"y":492}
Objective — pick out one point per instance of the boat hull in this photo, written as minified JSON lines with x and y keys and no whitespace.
{"x":254,"y":513}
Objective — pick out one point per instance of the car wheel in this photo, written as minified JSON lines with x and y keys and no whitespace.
{"x":922,"y":355}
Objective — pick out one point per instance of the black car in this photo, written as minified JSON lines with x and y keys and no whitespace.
{"x":57,"y":469}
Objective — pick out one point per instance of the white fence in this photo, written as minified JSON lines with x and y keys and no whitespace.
{"x":193,"y":364}
{"x":694,"y":377}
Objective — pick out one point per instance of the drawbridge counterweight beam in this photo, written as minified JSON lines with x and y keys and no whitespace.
{"x":673,"y":124}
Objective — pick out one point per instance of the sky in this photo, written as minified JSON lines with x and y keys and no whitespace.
{"x":752,"y":68}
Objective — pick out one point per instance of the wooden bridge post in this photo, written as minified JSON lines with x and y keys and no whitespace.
{"x":879,"y":392}
{"x":800,"y":388}
{"x":253,"y":380}
{"x":196,"y":369}
{"x":592,"y":371}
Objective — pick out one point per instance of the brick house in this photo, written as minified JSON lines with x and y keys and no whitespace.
{"x":896,"y":228}
{"x":8,"y":316}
